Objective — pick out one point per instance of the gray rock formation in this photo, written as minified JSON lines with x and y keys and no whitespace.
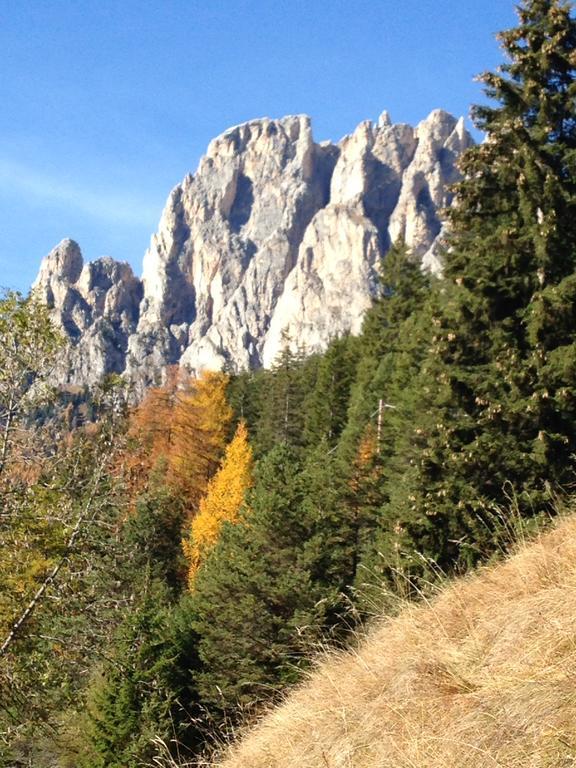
{"x":97,"y":307}
{"x":273,"y":237}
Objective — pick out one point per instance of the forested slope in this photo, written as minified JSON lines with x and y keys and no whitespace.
{"x":169,"y":569}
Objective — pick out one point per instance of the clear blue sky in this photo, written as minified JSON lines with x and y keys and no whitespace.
{"x":107,"y":104}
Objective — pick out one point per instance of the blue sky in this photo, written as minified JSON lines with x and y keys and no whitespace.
{"x":107,"y":104}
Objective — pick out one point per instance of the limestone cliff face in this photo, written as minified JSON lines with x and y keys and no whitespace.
{"x":273,"y":237}
{"x":390,"y":181}
{"x":228,"y":238}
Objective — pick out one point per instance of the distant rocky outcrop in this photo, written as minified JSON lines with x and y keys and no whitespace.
{"x":96,"y":305}
{"x":273,"y":237}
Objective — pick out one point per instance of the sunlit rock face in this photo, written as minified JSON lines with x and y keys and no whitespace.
{"x":228,"y":238}
{"x":274,"y":237}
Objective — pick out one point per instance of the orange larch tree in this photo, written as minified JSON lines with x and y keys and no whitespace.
{"x":179,"y":431}
{"x":200,"y":428}
{"x":150,"y":434}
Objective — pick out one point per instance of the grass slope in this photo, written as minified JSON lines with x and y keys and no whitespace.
{"x":482,"y":675}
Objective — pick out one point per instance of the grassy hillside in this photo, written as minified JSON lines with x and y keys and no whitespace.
{"x":482,"y":675}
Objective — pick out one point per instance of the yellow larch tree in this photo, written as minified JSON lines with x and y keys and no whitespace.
{"x":224,"y":497}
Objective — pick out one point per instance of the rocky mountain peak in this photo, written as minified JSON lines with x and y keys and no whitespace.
{"x":95,"y":304}
{"x":274,"y":236}
{"x":62,"y":265}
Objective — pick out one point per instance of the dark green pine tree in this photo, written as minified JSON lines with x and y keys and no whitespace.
{"x":144,"y":689}
{"x":403,"y":289}
{"x":282,"y":392}
{"x":497,"y":387}
{"x":145,"y":692}
{"x":273,"y":584}
{"x":245,"y":394}
{"x":376,"y":479}
{"x":326,"y":406}
{"x":388,"y":355}
{"x":152,"y":535}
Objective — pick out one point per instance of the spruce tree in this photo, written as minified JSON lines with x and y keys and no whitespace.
{"x":496,"y":388}
{"x":144,"y":692}
{"x":245,"y":393}
{"x":402,"y":291}
{"x":326,"y":406}
{"x":283,"y":392}
{"x":272,"y":585}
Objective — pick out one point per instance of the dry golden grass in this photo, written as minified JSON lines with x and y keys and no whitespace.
{"x":482,"y":675}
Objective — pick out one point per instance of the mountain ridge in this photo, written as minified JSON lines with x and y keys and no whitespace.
{"x":274,"y":236}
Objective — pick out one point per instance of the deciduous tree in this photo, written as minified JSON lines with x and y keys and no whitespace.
{"x":222,"y":502}
{"x":28,"y":347}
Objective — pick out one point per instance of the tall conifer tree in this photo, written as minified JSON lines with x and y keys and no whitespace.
{"x":403,"y":289}
{"x":497,"y":387}
{"x":272,"y":585}
{"x":326,"y":405}
{"x":282,"y":417}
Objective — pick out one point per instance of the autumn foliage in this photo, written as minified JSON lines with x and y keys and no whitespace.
{"x":179,"y":432}
{"x":224,"y":497}
{"x":199,"y":430}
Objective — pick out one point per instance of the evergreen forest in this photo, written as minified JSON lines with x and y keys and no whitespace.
{"x":169,"y":569}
